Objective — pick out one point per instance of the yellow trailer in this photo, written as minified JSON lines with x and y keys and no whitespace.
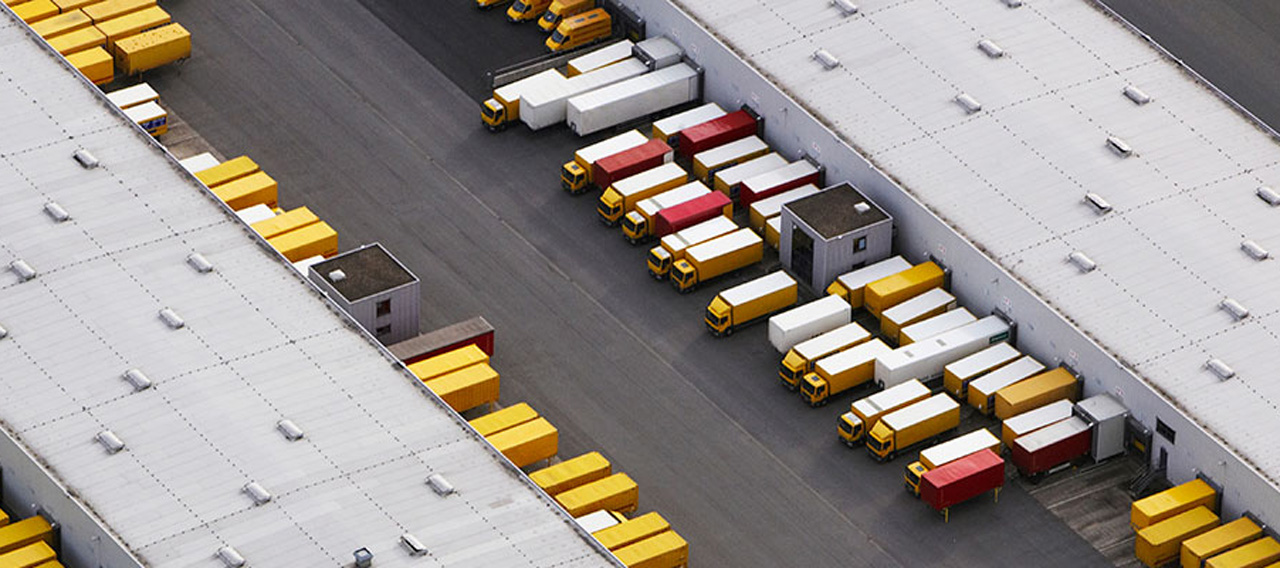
{"x":289,"y":221}
{"x":79,"y":40}
{"x":1212,"y":543}
{"x":35,"y":10}
{"x":67,"y":22}
{"x":1257,"y":554}
{"x":614,"y":493}
{"x":708,"y":163}
{"x":248,"y":191}
{"x":103,"y":11}
{"x":95,"y":64}
{"x":69,"y":5}
{"x":893,"y":290}
{"x":1035,"y":392}
{"x":227,"y":171}
{"x":852,"y":286}
{"x":4,"y":518}
{"x":773,"y":231}
{"x":22,"y":533}
{"x":632,"y":531}
{"x":1151,"y":510}
{"x":1159,"y":543}
{"x":30,"y":556}
{"x":573,"y":473}
{"x":468,"y":388}
{"x":133,"y":24}
{"x":449,"y":362}
{"x":528,"y":443}
{"x":500,"y":420}
{"x":153,"y":48}
{"x":666,"y":550}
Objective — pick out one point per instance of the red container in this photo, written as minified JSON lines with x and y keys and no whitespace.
{"x":717,"y":132}
{"x":790,"y":176}
{"x":1049,"y":447}
{"x":691,"y":213}
{"x":962,"y":480}
{"x":627,"y":163}
{"x":475,"y":331}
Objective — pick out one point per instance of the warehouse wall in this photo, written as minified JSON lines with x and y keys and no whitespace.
{"x":977,"y":281}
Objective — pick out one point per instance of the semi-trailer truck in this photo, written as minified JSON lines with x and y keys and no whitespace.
{"x":791,"y":176}
{"x":561,"y":9}
{"x":575,"y":175}
{"x":610,"y":169}
{"x":718,"y":132}
{"x":603,"y":57}
{"x":865,"y":412}
{"x":668,"y":129}
{"x":716,"y":257}
{"x":687,"y":214}
{"x":893,"y":290}
{"x":709,"y":162}
{"x":634,"y":98}
{"x":768,"y":208}
{"x":729,"y":181}
{"x":925,"y":359}
{"x":852,"y":285}
{"x":810,"y":320}
{"x":902,"y":429}
{"x":946,"y":452}
{"x":962,"y":480}
{"x":982,"y":392}
{"x":636,"y":224}
{"x":1037,"y":391}
{"x":545,"y":104}
{"x":843,"y":371}
{"x":935,"y":325}
{"x":673,"y":247}
{"x":624,"y":194}
{"x":932,"y":303}
{"x":800,"y":359}
{"x":750,"y":302}
{"x":958,"y":375}
{"x":503,"y":108}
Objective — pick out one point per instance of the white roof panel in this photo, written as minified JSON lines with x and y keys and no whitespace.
{"x":959,"y":447}
{"x":1007,"y":375}
{"x":938,"y":324}
{"x":868,"y":274}
{"x":731,"y":151}
{"x":932,"y":406}
{"x":844,"y":335}
{"x":606,"y":55}
{"x":699,"y":233}
{"x":648,"y":178}
{"x":736,"y":240}
{"x":852,"y":357}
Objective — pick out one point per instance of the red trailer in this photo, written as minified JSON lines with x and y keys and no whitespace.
{"x":475,"y":331}
{"x":691,"y":213}
{"x":1052,"y":446}
{"x":790,"y":176}
{"x":962,"y":480}
{"x":627,"y":163}
{"x":717,"y":132}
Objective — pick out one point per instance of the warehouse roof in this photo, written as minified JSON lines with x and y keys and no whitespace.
{"x":257,"y":345}
{"x":1012,"y":177}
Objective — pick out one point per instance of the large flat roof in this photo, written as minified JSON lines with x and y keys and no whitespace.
{"x":1013,"y":176}
{"x":258,"y":346}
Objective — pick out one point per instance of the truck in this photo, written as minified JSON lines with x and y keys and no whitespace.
{"x":946,"y":452}
{"x":919,"y":423}
{"x":957,"y":376}
{"x":227,"y":171}
{"x":843,"y":371}
{"x":610,"y":169}
{"x":962,"y":480}
{"x":1032,"y":420}
{"x":925,"y":360}
{"x":575,"y":175}
{"x":679,"y":217}
{"x":561,"y":9}
{"x":810,"y":320}
{"x":632,"y":531}
{"x":467,"y":388}
{"x":713,"y":133}
{"x":526,"y":10}
{"x":617,"y":492}
{"x":865,"y":412}
{"x":893,"y":290}
{"x":624,"y":194}
{"x":771,"y":183}
{"x":500,"y":420}
{"x":765,"y":209}
{"x":729,"y":181}
{"x":1159,"y":544}
{"x":925,"y":306}
{"x":583,"y":29}
{"x":708,"y":162}
{"x":935,"y":325}
{"x":982,"y":392}
{"x":716,"y":257}
{"x":668,"y":129}
{"x":528,"y":443}
{"x":800,"y":360}
{"x":634,"y":98}
{"x":571,"y":473}
{"x":1106,"y":416}
{"x":1050,"y":448}
{"x":664,"y":550}
{"x":750,"y":302}
{"x":673,"y":247}
{"x":247,"y":191}
{"x":503,"y":108}
{"x":637,"y":225}
{"x":545,"y":104}
{"x":1178,"y":499}
{"x":152,"y":48}
{"x":476,"y":331}
{"x":1037,"y":391}
{"x":605,"y":56}
{"x":852,"y":285}
{"x":1262,"y":552}
{"x":1196,"y":550}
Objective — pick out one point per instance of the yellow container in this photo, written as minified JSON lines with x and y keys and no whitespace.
{"x":666,"y":550}
{"x":500,"y":420}
{"x":103,"y":11}
{"x":572,"y":473}
{"x":1226,"y":537}
{"x":79,"y":40}
{"x":95,"y":64}
{"x":35,"y":10}
{"x":892,"y":290}
{"x":27,"y":531}
{"x":632,"y":531}
{"x":133,"y":24}
{"x":248,"y":190}
{"x":281,"y":224}
{"x":467,"y":388}
{"x":614,"y":493}
{"x":55,"y":26}
{"x":153,"y":48}
{"x":527,"y":443}
{"x":1256,"y":554}
{"x":29,"y":556}
{"x":1159,"y":543}
{"x":449,"y":362}
{"x":13,"y":2}
{"x":4,"y":518}
{"x":229,"y":170}
{"x":1035,"y":392}
{"x":51,"y":564}
{"x":1167,"y":503}
{"x":313,"y":240}
{"x":69,"y":5}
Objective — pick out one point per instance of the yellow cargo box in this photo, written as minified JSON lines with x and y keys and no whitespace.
{"x":55,"y":26}
{"x":528,"y":443}
{"x":281,"y":224}
{"x":133,"y":24}
{"x":51,"y":564}
{"x":614,"y":493}
{"x":892,"y":290}
{"x":248,"y":191}
{"x":313,"y":240}
{"x":467,"y":388}
{"x":449,"y":362}
{"x":69,"y":5}
{"x":1167,"y":503}
{"x":1226,"y":537}
{"x":1035,"y":392}
{"x":1159,"y":544}
{"x":229,"y":170}
{"x":500,"y":420}
{"x":95,"y":64}
{"x":4,"y":518}
{"x":29,"y":556}
{"x":153,"y":48}
{"x":79,"y":40}
{"x":1256,"y":554}
{"x":103,"y":11}
{"x":665,"y":550}
{"x":572,"y":473}
{"x":35,"y":10}
{"x":22,"y":533}
{"x":13,"y":2}
{"x":632,"y":531}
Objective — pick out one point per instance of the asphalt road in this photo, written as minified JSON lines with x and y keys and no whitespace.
{"x":368,"y":115}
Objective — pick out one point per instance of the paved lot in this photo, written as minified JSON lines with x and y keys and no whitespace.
{"x":375,"y":127}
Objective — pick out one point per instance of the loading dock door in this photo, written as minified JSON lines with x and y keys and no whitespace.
{"x":802,"y":255}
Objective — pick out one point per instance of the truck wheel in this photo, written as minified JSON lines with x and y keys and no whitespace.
{"x":847,"y":443}
{"x":728,"y":331}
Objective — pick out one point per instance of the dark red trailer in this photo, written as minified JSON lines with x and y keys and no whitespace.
{"x":475,"y":331}
{"x":716,"y":132}
{"x":1050,"y":447}
{"x":768,"y":184}
{"x":627,"y":163}
{"x":691,"y":213}
{"x":962,"y":480}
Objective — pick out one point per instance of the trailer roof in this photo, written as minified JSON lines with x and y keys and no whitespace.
{"x":932,"y":299}
{"x":731,"y":151}
{"x":630,"y":87}
{"x":1040,"y":417}
{"x":774,"y":178}
{"x":959,"y":447}
{"x":694,"y":116}
{"x":761,"y":286}
{"x":1051,"y":434}
{"x":1007,"y":375}
{"x":932,"y":406}
{"x":985,"y":327}
{"x":851,"y":332}
{"x":603,"y":56}
{"x":808,"y":312}
{"x":545,"y":92}
{"x":258,"y":345}
{"x":699,"y":233}
{"x":853,"y":356}
{"x":673,"y":197}
{"x":938,"y":324}
{"x":870,"y":273}
{"x":649,"y":178}
{"x":738,"y":239}
{"x":771,"y":206}
{"x":983,"y":360}
{"x":1168,"y":252}
{"x":612,"y":145}
{"x":751,"y":168}
{"x":891,"y":397}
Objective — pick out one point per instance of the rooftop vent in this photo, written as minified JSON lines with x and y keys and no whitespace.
{"x":56,"y":212}
{"x":440,"y":485}
{"x":847,"y":7}
{"x":413,"y":545}
{"x":364,"y":558}
{"x":1120,"y":147}
{"x":1136,"y":95}
{"x":290,"y":430}
{"x":87,"y":161}
{"x":990,"y":48}
{"x":258,"y":493}
{"x":861,"y":207}
{"x":1219,"y":368}
{"x":110,"y":441}
{"x":337,"y":275}
{"x":1013,"y":3}
{"x":827,"y":60}
{"x":171,"y":318}
{"x":1098,"y":203}
{"x":1236,"y":309}
{"x":199,"y":262}
{"x":3,"y":332}
{"x":968,"y":103}
{"x":231,"y":557}
{"x":1269,"y":195}
{"x":1255,"y":250}
{"x":137,"y":379}
{"x":1084,"y":263}
{"x":23,"y":270}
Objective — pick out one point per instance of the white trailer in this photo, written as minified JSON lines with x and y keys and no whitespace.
{"x":603,"y":57}
{"x":770,"y":207}
{"x":667,"y":129}
{"x":544,"y":104}
{"x":982,"y":391}
{"x":199,"y":162}
{"x":924,"y":307}
{"x":850,"y":285}
{"x":729,"y":180}
{"x":956,"y":448}
{"x":839,"y":338}
{"x":634,"y":98}
{"x":925,"y":359}
{"x":671,"y":198}
{"x":958,"y":375}
{"x":700,"y":233}
{"x":935,"y":325}
{"x":597,"y":521}
{"x":1032,"y":420}
{"x":707,"y":162}
{"x":798,"y":324}
{"x":141,"y":93}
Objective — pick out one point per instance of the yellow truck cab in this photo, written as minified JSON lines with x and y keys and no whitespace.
{"x":575,"y":175}
{"x":864,"y":413}
{"x":945,"y":453}
{"x":504,"y":107}
{"x":625,"y":193}
{"x":672,"y":247}
{"x":585,"y":28}
{"x":525,"y":10}
{"x":906,"y":427}
{"x":801,"y":359}
{"x":840,"y":372}
{"x":716,"y":257}
{"x":561,"y":9}
{"x":750,"y":302}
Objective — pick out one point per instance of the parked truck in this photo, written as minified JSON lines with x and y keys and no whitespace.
{"x":810,"y":320}
{"x":927,"y":305}
{"x":668,"y":129}
{"x":982,"y":392}
{"x":962,"y":480}
{"x":1159,"y":544}
{"x":500,"y":420}
{"x":958,"y":375}
{"x":773,"y":231}
{"x":526,"y":10}
{"x":152,"y":48}
{"x":624,"y":194}
{"x":576,"y":175}
{"x":709,"y":162}
{"x":852,"y":285}
{"x":925,"y":360}
{"x":1165,"y":504}
{"x":583,"y":29}
{"x":729,"y":181}
{"x":919,"y":423}
{"x":503,"y":108}
{"x":841,"y":372}
{"x":1196,"y":550}
{"x":633,"y":161}
{"x":1046,"y":450}
{"x":636,"y":225}
{"x":561,"y":9}
{"x":791,"y":176}
{"x":893,"y":290}
{"x":800,"y":360}
{"x":571,"y":473}
{"x":615,"y":52}
{"x":545,"y":104}
{"x":865,"y":412}
{"x":634,"y":98}
{"x":1262,"y":552}
{"x":467,"y":388}
{"x":768,"y":208}
{"x":750,"y":302}
{"x":1027,"y":422}
{"x":716,"y":257}
{"x":528,"y":443}
{"x":942,"y":454}
{"x":718,"y":132}
{"x":935,"y":325}
{"x":664,"y":550}
{"x":673,"y":247}
{"x":1044,"y":388}
{"x":449,"y":362}
{"x":618,"y":492}
{"x":632,"y":531}
{"x":687,"y":214}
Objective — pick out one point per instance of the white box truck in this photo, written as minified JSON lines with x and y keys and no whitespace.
{"x":544,"y":104}
{"x":798,"y":324}
{"x":634,"y":98}
{"x":925,"y":359}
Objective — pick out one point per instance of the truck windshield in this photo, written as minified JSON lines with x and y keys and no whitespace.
{"x":711,"y":317}
{"x":807,"y":387}
{"x":912,"y":477}
{"x":786,"y":372}
{"x":628,"y":224}
{"x":519,"y":7}
{"x":487,"y":110}
{"x":557,"y":37}
{"x":875,"y":443}
{"x":655,"y":260}
{"x":845,"y":426}
{"x":549,"y":16}
{"x":680,"y":276}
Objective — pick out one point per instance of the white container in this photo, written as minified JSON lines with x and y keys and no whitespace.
{"x":925,"y":359}
{"x":658,"y":52}
{"x":770,"y":207}
{"x":814,"y":318}
{"x":855,"y":356}
{"x":631,"y":99}
{"x":1033,"y":420}
{"x":607,"y":55}
{"x":729,"y":179}
{"x":199,"y":162}
{"x":758,"y":288}
{"x":858,"y":279}
{"x":150,"y":116}
{"x":671,"y":198}
{"x":133,"y":96}
{"x":970,"y":367}
{"x":935,"y":325}
{"x":910,"y":311}
{"x":700,"y":233}
{"x":511,"y":92}
{"x":982,"y":391}
{"x":956,"y":448}
{"x":668,"y":127}
{"x":589,"y":155}
{"x":1106,"y":416}
{"x":786,"y":174}
{"x":597,"y":521}
{"x":642,"y":181}
{"x":543,"y":104}
{"x":255,"y":213}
